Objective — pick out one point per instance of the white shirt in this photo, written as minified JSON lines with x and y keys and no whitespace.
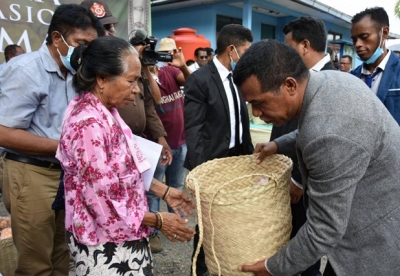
{"x":223,"y":73}
{"x":320,"y":64}
{"x":194,"y":67}
{"x":376,"y":81}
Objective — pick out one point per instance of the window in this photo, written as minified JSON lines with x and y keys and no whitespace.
{"x":267,"y":31}
{"x":225,"y":20}
{"x":334,"y":36}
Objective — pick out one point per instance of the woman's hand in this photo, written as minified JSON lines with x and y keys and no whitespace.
{"x":180,"y":202}
{"x":175,"y":229}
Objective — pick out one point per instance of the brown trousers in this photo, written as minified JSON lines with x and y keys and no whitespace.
{"x":38,"y":231}
{"x":1,"y":170}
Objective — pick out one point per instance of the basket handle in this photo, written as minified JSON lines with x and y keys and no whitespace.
{"x":200,"y":223}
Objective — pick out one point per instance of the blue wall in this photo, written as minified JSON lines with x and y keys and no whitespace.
{"x":202,"y":18}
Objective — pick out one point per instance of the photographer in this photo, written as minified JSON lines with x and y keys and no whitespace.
{"x":169,"y":79}
{"x":141,"y":114}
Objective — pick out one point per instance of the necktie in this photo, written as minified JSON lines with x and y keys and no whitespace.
{"x":237,"y":123}
{"x":369,"y":78}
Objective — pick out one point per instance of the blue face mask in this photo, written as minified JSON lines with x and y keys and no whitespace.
{"x":378,"y":52}
{"x":233,"y":64}
{"x":66,"y":60}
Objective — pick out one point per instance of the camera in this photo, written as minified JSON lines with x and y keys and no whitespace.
{"x":150,"y":56}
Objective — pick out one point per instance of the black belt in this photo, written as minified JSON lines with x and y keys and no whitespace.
{"x":32,"y":161}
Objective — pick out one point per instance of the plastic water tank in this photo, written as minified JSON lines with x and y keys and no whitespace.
{"x":189,"y":41}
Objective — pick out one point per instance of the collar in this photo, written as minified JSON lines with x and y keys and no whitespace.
{"x":320,"y":64}
{"x":113,"y":116}
{"x":48,"y":61}
{"x":49,"y":64}
{"x":381,"y":65}
{"x":222,"y":70}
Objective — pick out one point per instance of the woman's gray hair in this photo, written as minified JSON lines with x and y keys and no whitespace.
{"x":104,"y":56}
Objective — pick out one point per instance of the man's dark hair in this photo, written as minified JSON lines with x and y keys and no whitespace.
{"x":271,"y":62}
{"x":103,"y":56}
{"x":69,"y":17}
{"x":378,"y":15}
{"x":189,"y":62}
{"x":349,"y":57}
{"x":10,"y":50}
{"x":196,"y":52}
{"x":233,"y":34}
{"x":310,"y":28}
{"x":209,"y":51}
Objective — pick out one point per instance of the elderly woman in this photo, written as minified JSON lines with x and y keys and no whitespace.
{"x":107,"y":217}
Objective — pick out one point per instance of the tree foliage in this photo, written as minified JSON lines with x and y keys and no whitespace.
{"x":397,"y":9}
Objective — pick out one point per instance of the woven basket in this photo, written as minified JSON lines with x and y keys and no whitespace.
{"x":8,"y":257}
{"x":243,"y":210}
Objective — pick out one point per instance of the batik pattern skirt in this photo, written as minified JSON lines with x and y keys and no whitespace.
{"x":131,"y":258}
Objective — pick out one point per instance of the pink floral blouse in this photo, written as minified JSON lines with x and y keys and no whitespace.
{"x":105,"y":198}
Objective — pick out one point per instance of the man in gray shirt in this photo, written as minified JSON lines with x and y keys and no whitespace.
{"x":348,"y":148}
{"x":34,"y":93}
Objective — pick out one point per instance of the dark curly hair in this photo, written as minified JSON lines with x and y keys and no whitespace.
{"x":378,"y":15}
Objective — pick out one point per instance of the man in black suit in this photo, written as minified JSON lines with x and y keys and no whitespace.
{"x":307,"y":35}
{"x":216,"y":117}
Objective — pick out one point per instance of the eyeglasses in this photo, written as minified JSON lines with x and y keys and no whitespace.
{"x":203,"y":57}
{"x":344,"y":63}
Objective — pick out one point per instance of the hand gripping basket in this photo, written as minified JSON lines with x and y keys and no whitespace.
{"x":8,"y":257}
{"x":243,"y":210}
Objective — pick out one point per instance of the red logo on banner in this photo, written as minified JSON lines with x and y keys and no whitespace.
{"x":98,"y":10}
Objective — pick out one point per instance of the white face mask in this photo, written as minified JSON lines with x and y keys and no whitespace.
{"x":233,"y":64}
{"x":66,"y":60}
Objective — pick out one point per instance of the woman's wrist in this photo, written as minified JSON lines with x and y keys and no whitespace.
{"x":158,"y":188}
{"x":153,"y":219}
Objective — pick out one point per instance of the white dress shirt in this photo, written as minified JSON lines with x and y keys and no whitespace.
{"x":320,"y":64}
{"x":223,"y":73}
{"x":376,"y":81}
{"x":194,"y":67}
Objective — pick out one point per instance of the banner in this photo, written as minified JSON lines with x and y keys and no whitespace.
{"x":25,"y":22}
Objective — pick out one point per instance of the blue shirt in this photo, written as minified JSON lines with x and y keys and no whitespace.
{"x":34,"y":95}
{"x":2,"y":66}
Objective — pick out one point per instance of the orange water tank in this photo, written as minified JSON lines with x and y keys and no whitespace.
{"x":189,"y":41}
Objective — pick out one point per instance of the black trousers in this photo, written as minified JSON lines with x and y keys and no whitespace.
{"x":329,"y":270}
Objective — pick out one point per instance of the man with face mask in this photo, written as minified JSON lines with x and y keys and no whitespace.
{"x":216,"y":117}
{"x":381,"y":67}
{"x":34,"y":93}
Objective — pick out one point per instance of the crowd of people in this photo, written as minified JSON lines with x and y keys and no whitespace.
{"x":73,"y":171}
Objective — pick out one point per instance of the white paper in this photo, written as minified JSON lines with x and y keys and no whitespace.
{"x":152,"y":152}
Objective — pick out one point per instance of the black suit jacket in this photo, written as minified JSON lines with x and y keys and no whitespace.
{"x":207,"y":121}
